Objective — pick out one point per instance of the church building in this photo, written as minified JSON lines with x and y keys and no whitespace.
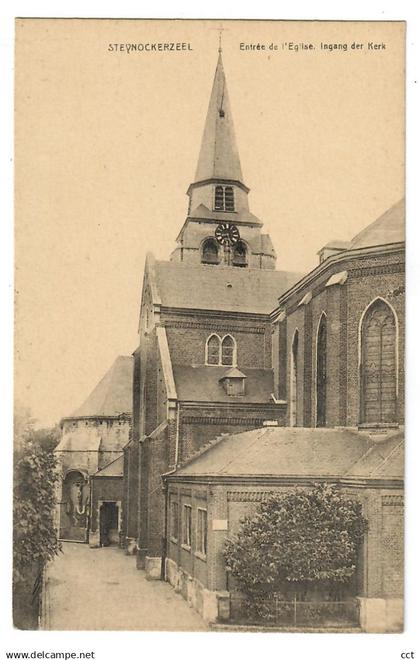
{"x":204,"y":361}
{"x":249,"y":380}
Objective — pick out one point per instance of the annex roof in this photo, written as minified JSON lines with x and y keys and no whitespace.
{"x":201,"y":383}
{"x":297,"y":452}
{"x":89,"y":441}
{"x":112,"y":396}
{"x":220,"y":288}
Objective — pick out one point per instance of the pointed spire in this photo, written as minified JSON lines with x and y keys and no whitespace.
{"x":219,"y":157}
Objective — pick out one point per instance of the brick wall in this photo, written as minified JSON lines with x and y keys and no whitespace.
{"x":344,"y":305}
{"x":189,"y":559}
{"x":187,"y":343}
{"x":131,"y":491}
{"x":384,"y":546}
{"x":380,"y":571}
{"x":104,"y":488}
{"x":200,"y":426}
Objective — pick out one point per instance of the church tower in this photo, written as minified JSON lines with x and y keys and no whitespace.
{"x":219,"y":229}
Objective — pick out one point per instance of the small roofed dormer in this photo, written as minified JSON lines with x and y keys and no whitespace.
{"x":233,"y":382}
{"x":332,"y":248}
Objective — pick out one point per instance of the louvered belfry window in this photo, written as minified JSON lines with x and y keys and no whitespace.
{"x":224,"y":199}
{"x":378,"y":374}
{"x":219,"y":198}
{"x":229,"y":201}
{"x":210,"y":252}
{"x":239,"y":255}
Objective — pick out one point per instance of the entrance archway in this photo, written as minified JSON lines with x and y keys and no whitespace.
{"x":74,"y":507}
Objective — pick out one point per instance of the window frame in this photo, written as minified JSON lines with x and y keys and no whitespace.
{"x":240,"y":244}
{"x":201,"y":541}
{"x":233,"y":362}
{"x":186,"y":537}
{"x":213,"y":364}
{"x":174,"y":536}
{"x":219,"y":198}
{"x":220,"y":358}
{"x":207,"y":262}
{"x":369,"y":311}
{"x":321,"y":372}
{"x":293,"y":398}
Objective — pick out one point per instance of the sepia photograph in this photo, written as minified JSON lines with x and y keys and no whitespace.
{"x":209,"y":325}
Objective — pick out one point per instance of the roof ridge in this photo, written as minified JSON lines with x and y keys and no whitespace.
{"x":386,"y":459}
{"x":108,"y":464}
{"x":264,"y":430}
{"x":208,"y":445}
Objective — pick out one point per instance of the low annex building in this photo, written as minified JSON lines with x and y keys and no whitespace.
{"x":92,"y":438}
{"x":208,"y":497}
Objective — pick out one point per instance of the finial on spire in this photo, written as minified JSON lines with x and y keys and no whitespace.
{"x":220,"y":39}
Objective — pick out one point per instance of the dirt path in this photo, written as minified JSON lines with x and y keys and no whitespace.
{"x":101,"y":589}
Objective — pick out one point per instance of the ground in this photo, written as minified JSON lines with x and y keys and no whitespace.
{"x":101,"y":589}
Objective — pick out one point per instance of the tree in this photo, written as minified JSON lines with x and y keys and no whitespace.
{"x":35,"y":476}
{"x":301,"y":541}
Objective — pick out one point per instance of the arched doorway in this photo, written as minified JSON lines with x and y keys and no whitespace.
{"x":378,"y":381}
{"x":74,"y":508}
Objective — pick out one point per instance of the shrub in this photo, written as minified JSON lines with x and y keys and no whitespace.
{"x":35,"y":476}
{"x":299,"y":541}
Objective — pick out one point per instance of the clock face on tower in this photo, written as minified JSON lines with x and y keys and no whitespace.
{"x":227,"y":234}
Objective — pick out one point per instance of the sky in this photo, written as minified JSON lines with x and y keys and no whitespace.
{"x":107,"y":143}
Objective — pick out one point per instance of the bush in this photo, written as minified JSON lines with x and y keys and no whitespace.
{"x":35,"y":476}
{"x":300,"y":541}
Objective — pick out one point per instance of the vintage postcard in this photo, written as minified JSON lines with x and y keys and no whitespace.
{"x":209,"y":364}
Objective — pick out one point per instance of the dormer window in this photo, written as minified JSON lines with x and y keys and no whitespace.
{"x":224,"y":199}
{"x":233,"y":382}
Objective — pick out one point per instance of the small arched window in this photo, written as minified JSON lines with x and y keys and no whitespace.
{"x":210,"y":252}
{"x":321,"y":372}
{"x":213,"y":346}
{"x":228,"y":351}
{"x":221,"y":352}
{"x":239,"y":257}
{"x":378,"y":380}
{"x":294,"y":379}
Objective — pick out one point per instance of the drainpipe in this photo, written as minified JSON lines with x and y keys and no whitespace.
{"x":165,"y":492}
{"x":165,"y":533}
{"x":177,"y":437}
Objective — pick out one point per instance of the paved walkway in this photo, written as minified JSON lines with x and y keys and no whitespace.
{"x":101,"y":589}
